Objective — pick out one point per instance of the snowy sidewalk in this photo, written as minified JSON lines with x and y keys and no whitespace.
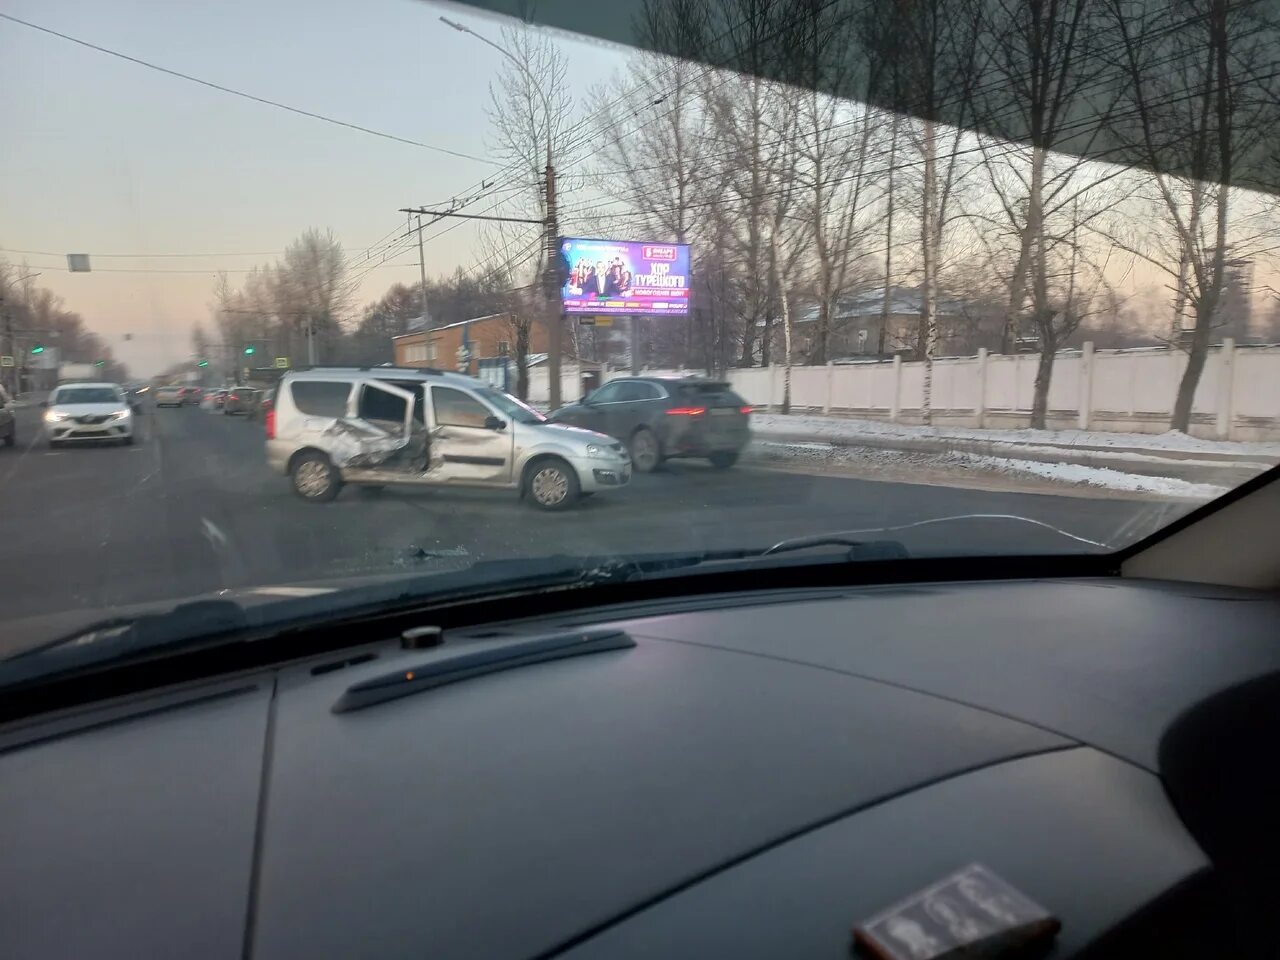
{"x":1169,"y":464}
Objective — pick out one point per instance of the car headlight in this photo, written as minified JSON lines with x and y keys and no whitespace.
{"x":121,"y":415}
{"x":598,"y":452}
{"x":56,"y":416}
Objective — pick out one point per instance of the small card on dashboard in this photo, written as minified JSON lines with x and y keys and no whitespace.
{"x":970,"y":913}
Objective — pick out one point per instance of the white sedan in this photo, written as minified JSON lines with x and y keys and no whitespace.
{"x":88,"y":411}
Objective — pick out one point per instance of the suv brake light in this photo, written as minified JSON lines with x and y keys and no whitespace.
{"x":746,"y":409}
{"x":270,"y":421}
{"x":686,"y":411}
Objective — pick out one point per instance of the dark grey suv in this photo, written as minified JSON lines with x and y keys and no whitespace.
{"x":662,"y":417}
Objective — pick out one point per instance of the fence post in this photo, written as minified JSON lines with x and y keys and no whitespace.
{"x":1226,"y":388}
{"x":831,"y":370}
{"x":1084,"y":399}
{"x":896,"y":403}
{"x":981,"y":410}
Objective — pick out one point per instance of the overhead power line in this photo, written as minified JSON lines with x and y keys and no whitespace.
{"x":247,"y":96}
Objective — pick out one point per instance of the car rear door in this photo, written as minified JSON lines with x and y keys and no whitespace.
{"x":465,"y":446}
{"x":632,"y":408}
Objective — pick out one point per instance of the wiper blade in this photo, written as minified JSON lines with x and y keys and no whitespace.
{"x":845,"y":536}
{"x":123,"y":638}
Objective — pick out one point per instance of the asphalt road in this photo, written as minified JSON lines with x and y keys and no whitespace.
{"x":191,"y":508}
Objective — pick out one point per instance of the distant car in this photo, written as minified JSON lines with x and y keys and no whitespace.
{"x":241,"y":400}
{"x":8,"y":422}
{"x":192,"y":395}
{"x":170,"y":396}
{"x":88,"y":411}
{"x":216,"y":398}
{"x":663,"y":417}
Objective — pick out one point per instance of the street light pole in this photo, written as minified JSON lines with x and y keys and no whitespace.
{"x":555,"y":346}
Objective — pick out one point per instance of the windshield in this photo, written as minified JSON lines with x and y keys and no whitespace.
{"x":512,"y":407}
{"x":70,"y":395}
{"x":983,"y":280}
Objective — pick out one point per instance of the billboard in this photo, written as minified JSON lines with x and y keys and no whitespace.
{"x":624,"y":277}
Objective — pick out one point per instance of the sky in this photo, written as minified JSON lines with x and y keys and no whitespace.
{"x":107,"y":157}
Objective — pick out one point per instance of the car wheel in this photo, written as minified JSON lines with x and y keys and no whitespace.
{"x":645,"y":452}
{"x":127,"y":441}
{"x":723,"y":459}
{"x":11,"y":439}
{"x":315,"y":478}
{"x":552,"y":484}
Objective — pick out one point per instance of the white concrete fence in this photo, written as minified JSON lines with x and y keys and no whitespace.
{"x":1131,"y":390}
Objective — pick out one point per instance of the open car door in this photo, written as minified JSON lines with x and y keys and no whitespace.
{"x":377,"y":434}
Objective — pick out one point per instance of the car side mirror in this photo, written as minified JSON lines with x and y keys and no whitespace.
{"x":493,"y":423}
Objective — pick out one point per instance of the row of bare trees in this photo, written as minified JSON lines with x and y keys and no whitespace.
{"x":813,"y":150}
{"x":32,"y":315}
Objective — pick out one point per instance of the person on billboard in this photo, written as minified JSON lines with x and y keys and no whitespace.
{"x":613,"y":279}
{"x":599,"y":285}
{"x":625,"y":285}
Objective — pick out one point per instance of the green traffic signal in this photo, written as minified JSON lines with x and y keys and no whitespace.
{"x":203,"y":363}
{"x":249,"y":350}
{"x":99,"y":363}
{"x":38,"y":348}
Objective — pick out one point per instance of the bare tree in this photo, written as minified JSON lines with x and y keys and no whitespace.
{"x":933,"y":47}
{"x":532,"y":123}
{"x":1202,"y":91}
{"x":1041,"y":62}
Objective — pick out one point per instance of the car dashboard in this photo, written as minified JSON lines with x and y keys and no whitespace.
{"x":747,"y":775}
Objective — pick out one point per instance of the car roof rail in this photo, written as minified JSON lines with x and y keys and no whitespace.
{"x":429,"y":371}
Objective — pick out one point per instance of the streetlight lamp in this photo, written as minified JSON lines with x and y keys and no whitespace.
{"x":549,"y":272}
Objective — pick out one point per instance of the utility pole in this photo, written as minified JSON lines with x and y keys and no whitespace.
{"x":422,"y":276}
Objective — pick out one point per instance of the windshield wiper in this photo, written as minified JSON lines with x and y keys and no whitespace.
{"x":846,"y":536}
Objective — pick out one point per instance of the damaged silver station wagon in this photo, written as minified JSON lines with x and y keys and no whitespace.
{"x":382,"y":425}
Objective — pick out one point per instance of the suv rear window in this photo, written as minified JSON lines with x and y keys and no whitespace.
{"x":321,"y":398}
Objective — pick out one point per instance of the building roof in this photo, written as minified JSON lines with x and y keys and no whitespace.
{"x":870,"y":303}
{"x":448,"y":326}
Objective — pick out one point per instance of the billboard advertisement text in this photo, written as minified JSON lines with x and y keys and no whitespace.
{"x":624,"y":277}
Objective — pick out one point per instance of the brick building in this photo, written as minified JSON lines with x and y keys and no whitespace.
{"x":488,"y":337}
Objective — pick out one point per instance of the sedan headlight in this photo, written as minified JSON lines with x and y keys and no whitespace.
{"x":598,"y":452}
{"x":121,"y":415}
{"x":55,"y":416}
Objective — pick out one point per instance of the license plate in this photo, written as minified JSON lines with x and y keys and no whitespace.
{"x":726,"y":412}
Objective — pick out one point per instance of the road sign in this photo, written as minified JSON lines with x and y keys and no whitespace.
{"x":6,"y":361}
{"x":282,"y":363}
{"x":78,"y":262}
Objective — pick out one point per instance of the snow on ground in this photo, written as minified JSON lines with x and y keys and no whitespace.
{"x":1105,"y":477}
{"x":955,"y":467}
{"x":849,"y":429}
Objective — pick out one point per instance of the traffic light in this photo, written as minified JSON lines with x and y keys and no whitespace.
{"x":38,"y":348}
{"x":249,"y":350}
{"x":99,"y":363}
{"x":203,"y":363}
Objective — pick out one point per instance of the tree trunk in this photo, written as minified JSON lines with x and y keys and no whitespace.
{"x":786,"y":324}
{"x":1210,"y":279}
{"x":928,"y":338}
{"x":888,"y":244}
{"x":1044,"y":373}
{"x":522,"y":358}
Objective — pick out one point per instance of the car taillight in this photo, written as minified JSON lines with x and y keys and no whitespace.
{"x":270,"y":421}
{"x":744,"y":409}
{"x":686,"y":411}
